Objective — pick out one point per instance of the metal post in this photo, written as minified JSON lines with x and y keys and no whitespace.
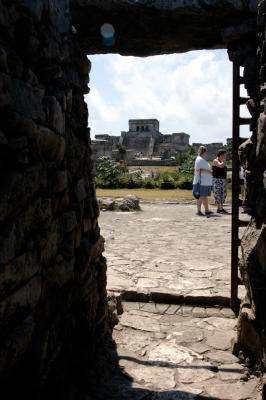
{"x":235,"y":186}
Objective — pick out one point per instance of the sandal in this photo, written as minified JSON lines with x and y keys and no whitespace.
{"x":209,"y":212}
{"x":223,"y":211}
{"x":200,"y":214}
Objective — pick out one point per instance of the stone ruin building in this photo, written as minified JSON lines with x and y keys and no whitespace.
{"x":53,"y":306}
{"x":143,"y":139}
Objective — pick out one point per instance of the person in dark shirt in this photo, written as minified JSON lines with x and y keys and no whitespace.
{"x":219,"y":174}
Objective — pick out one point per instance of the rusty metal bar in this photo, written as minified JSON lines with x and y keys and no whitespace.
{"x":242,"y":223}
{"x":235,"y":186}
{"x":244,"y":121}
{"x":243,"y":100}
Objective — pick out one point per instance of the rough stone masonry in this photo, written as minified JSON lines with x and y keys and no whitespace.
{"x":52,"y":273}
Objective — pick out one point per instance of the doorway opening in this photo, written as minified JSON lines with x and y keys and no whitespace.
{"x":192,"y":108}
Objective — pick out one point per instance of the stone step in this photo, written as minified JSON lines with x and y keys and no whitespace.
{"x":171,"y":298}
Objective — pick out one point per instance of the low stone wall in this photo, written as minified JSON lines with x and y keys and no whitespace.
{"x":52,"y":274}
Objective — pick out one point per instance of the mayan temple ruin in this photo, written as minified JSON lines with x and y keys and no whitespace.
{"x":144,"y":140}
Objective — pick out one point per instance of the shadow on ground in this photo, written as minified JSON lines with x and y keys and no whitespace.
{"x":109,"y":381}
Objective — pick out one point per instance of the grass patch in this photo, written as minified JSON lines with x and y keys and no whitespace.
{"x":153,"y":194}
{"x":147,"y":194}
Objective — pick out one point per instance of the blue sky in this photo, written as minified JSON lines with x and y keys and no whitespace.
{"x":188,"y":92}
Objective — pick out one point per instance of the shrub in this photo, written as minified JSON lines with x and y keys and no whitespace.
{"x":130,"y":181}
{"x":187,"y":162}
{"x":149,"y":183}
{"x":185,"y":185}
{"x":108,"y":173}
{"x":167,"y":182}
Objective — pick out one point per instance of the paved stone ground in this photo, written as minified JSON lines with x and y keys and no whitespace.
{"x":174,"y":352}
{"x":167,"y":253}
{"x":162,"y":351}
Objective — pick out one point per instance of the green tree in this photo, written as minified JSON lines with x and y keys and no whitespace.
{"x":187,"y":162}
{"x":108,"y":172}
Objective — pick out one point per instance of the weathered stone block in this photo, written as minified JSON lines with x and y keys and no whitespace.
{"x":60,"y":202}
{"x":261,"y":248}
{"x":15,"y":346}
{"x":3,"y":139}
{"x":3,"y":60}
{"x":261,"y":138}
{"x":264,"y":180}
{"x":59,"y":15}
{"x":35,"y":218}
{"x":69,"y":221}
{"x":35,"y":7}
{"x":4,"y":17}
{"x":58,"y":275}
{"x":55,"y":115}
{"x":20,"y":270}
{"x":248,"y":336}
{"x":53,"y":239}
{"x":27,"y":100}
{"x":69,"y":101}
{"x":77,"y":236}
{"x":80,"y":190}
{"x":50,"y":73}
{"x":87,"y":224}
{"x":30,"y":78}
{"x":18,"y":143}
{"x":7,"y":246}
{"x":5,"y":96}
{"x":23,"y":300}
{"x":59,"y":181}
{"x":16,"y":123}
{"x":51,"y":145}
{"x":263,"y":74}
{"x":261,"y":203}
{"x":18,"y":188}
{"x":15,"y":65}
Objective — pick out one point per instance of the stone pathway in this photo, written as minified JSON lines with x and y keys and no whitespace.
{"x":174,"y":352}
{"x":163,"y":351}
{"x":166,"y":253}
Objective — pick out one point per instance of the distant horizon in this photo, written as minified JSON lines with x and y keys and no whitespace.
{"x":190,"y":92}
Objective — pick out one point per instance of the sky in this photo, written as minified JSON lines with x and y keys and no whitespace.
{"x":190,"y":92}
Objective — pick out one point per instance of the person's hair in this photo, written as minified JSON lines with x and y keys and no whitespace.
{"x":202,"y":150}
{"x":221,"y":152}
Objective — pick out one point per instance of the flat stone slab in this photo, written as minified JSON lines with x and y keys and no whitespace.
{"x":167,"y":254}
{"x":170,"y":357}
{"x":182,"y":362}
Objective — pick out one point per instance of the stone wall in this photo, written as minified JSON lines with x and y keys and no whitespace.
{"x":52,"y":273}
{"x":252,"y":321}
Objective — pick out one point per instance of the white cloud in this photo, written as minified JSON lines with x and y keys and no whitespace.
{"x":186,"y":92}
{"x":98,"y":108}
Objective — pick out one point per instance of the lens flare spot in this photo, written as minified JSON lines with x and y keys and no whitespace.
{"x":108,"y":34}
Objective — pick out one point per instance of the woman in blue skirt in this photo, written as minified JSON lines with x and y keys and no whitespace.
{"x":202,"y":182}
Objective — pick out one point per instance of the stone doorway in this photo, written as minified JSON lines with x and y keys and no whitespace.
{"x":206,"y":291}
{"x":171,"y":340}
{"x":53,"y":275}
